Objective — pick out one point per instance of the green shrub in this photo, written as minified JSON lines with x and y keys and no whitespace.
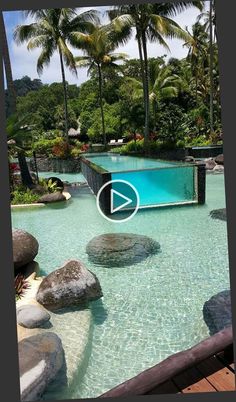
{"x":44,"y":147}
{"x":23,"y":196}
{"x":75,"y":152}
{"x":199,"y":141}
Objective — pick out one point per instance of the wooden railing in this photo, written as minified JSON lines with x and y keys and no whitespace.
{"x":173,"y":365}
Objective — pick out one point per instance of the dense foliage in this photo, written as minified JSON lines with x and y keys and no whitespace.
{"x":111,"y":101}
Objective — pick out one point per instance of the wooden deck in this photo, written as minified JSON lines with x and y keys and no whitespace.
{"x":215,"y":374}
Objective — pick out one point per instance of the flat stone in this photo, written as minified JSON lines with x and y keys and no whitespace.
{"x":52,"y":197}
{"x":32,"y":316}
{"x":71,"y":285}
{"x":217,"y":312}
{"x":219,"y":214}
{"x":25,"y":247}
{"x":120,"y":249}
{"x":218,"y":169}
{"x":41,"y":357}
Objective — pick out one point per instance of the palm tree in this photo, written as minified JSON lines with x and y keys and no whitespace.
{"x":25,"y":175}
{"x":162,"y":85}
{"x":152,"y":22}
{"x":198,"y":53}
{"x":210,"y":26}
{"x":97,"y":46}
{"x":51,"y":32}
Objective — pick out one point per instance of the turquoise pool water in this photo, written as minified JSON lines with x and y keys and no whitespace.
{"x":161,"y":186}
{"x":149,"y":310}
{"x":157,"y":182}
{"x":116,"y":163}
{"x":69,"y":177}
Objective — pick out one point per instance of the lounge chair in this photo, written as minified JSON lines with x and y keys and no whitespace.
{"x":120,"y":141}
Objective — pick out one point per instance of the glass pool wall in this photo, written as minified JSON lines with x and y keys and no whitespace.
{"x":161,"y":186}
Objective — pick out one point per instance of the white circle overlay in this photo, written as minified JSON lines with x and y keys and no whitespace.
{"x":128,"y":184}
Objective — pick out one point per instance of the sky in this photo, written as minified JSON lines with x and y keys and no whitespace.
{"x":24,"y":62}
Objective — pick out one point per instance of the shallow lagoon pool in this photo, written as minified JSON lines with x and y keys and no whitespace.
{"x":149,"y":310}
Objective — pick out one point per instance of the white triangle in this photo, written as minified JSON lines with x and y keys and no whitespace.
{"x":128,"y":201}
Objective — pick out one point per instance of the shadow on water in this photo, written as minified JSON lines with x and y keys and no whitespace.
{"x":99,"y":312}
{"x":59,"y":205}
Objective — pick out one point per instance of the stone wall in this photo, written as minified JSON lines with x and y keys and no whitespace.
{"x":56,"y":165}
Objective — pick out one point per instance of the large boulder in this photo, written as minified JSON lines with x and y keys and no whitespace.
{"x":209,"y":163}
{"x":32,"y":316}
{"x":217,"y":312}
{"x":120,"y":249}
{"x":52,"y":197}
{"x":70,"y":285}
{"x":219,"y":159}
{"x":219,"y":214}
{"x":25,"y":247}
{"x":41,"y":357}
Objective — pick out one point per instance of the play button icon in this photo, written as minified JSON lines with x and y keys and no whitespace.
{"x":117,"y":200}
{"x":121,"y":196}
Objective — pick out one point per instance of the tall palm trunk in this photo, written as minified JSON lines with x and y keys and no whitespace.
{"x":101,"y":104}
{"x":7,"y":65}
{"x":141,"y":61}
{"x":146,"y":87}
{"x":25,"y":175}
{"x":65,"y":96}
{"x":211,"y":68}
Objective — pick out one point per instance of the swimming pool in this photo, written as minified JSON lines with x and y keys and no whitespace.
{"x":158,"y":183}
{"x":151,"y":309}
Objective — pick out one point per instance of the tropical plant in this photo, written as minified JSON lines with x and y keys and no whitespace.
{"x":23,"y":195}
{"x":21,"y":285}
{"x":97,"y":46}
{"x":152,"y":22}
{"x":51,"y":32}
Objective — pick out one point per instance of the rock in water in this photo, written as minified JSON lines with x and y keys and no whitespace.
{"x":217,"y":312}
{"x":219,"y":159}
{"x":52,"y":197}
{"x":219,"y":214}
{"x":32,"y":316}
{"x":70,"y":285}
{"x":25,"y":247}
{"x":41,"y":357}
{"x":210,"y":163}
{"x":120,"y":249}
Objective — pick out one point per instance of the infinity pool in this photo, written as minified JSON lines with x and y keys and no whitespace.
{"x":158,"y":183}
{"x":149,"y":310}
{"x":116,"y":163}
